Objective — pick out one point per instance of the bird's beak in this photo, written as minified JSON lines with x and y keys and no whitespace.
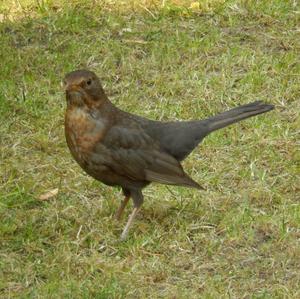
{"x":71,"y":87}
{"x":74,"y":91}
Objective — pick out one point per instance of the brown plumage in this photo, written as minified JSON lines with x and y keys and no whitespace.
{"x":122,"y":149}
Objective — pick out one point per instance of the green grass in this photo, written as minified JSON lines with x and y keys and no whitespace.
{"x":238,"y":239}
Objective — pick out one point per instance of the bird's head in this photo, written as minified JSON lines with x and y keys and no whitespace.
{"x":83,"y":89}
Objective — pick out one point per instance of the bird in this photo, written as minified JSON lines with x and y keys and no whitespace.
{"x":122,"y":149}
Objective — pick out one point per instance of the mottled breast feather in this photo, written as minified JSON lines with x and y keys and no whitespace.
{"x":83,"y":133}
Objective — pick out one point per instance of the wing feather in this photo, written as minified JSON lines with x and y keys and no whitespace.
{"x":137,"y":156}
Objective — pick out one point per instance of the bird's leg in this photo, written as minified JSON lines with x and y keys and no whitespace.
{"x":122,"y":207}
{"x":138,"y":199}
{"x":129,"y":223}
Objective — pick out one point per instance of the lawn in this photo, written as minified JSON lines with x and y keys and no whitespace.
{"x":164,"y":60}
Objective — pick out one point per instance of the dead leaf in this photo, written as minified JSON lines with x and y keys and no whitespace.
{"x":48,"y":194}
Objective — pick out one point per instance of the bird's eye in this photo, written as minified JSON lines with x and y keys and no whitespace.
{"x":89,"y":82}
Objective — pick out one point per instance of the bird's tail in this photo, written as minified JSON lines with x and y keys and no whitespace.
{"x":180,"y":138}
{"x":234,"y":115}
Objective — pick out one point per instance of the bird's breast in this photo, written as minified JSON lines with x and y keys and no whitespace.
{"x":83,"y":133}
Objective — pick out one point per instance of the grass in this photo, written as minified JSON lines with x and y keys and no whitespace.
{"x":163,"y":60}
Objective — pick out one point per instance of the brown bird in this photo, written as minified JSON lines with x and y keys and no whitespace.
{"x":122,"y":149}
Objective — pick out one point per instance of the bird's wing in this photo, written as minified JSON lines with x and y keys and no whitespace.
{"x":177,"y":138}
{"x":136,"y":155}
